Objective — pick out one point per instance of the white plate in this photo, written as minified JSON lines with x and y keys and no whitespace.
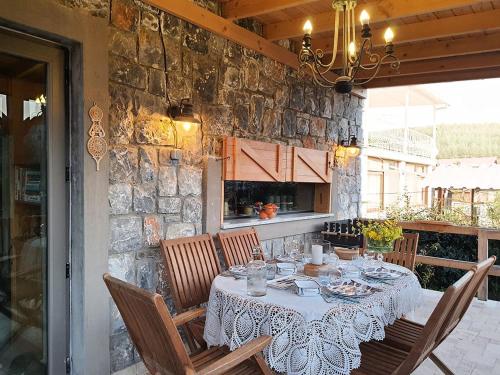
{"x":238,"y":270}
{"x":382,"y":273}
{"x":351,"y":289}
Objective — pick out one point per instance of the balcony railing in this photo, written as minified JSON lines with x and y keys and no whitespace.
{"x":483,"y":236}
{"x":415,"y":143}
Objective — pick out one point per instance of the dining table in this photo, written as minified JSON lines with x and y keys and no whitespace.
{"x":309,"y":335}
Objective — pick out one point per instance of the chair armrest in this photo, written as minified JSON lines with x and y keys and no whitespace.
{"x":189,"y":315}
{"x":235,"y":358}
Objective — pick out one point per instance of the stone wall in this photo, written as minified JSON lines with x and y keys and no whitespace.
{"x":236,"y":91}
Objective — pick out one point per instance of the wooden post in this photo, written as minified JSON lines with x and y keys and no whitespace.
{"x":472,"y":216}
{"x":482,"y":254}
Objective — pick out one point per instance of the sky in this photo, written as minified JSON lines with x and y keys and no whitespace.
{"x":469,"y":102}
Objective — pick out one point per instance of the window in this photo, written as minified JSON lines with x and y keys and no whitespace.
{"x":240,"y":197}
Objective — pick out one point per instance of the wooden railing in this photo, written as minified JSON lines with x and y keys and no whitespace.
{"x":483,"y":235}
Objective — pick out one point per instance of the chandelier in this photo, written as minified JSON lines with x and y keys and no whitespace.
{"x":356,"y":58}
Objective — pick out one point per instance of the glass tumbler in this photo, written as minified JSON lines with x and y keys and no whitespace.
{"x":257,"y":278}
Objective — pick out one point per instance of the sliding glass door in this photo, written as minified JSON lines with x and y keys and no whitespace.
{"x":33,"y":207}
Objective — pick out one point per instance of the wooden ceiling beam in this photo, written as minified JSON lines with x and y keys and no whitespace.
{"x":237,"y":9}
{"x":435,"y":78}
{"x":439,"y":28}
{"x":438,"y":49}
{"x":380,"y":11}
{"x":444,"y":65}
{"x":201,"y":17}
{"x":207,"y":20}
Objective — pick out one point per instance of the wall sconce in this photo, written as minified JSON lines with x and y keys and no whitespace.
{"x":181,"y":114}
{"x":346,"y":148}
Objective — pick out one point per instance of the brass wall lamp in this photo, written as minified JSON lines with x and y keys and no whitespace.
{"x":345,"y":148}
{"x":181,"y":114}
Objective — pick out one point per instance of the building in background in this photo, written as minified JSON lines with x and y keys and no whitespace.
{"x":399,"y":149}
{"x":470,"y":186}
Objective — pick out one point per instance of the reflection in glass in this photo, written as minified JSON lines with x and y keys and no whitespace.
{"x":23,"y":214}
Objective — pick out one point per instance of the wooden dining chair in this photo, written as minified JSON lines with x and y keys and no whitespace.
{"x":405,"y":251}
{"x":191,"y":264}
{"x":404,"y":333}
{"x":154,"y":334}
{"x":237,"y":246}
{"x":379,"y":358}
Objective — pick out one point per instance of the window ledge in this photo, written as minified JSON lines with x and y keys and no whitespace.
{"x":241,"y":223}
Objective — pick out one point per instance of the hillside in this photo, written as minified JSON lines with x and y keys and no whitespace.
{"x":465,"y":140}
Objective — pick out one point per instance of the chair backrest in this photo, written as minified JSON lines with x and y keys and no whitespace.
{"x":405,"y":251}
{"x":480,"y":272}
{"x":429,"y":338}
{"x":237,"y":246}
{"x":192,"y":265}
{"x":151,"y":328}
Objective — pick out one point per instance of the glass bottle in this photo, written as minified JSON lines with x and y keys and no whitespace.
{"x":256,"y":274}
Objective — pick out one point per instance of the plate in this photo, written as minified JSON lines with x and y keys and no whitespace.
{"x":351,"y":289}
{"x":238,"y":270}
{"x":285,"y":283}
{"x":382,"y":273}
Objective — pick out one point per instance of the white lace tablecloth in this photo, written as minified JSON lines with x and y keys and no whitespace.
{"x":310,"y":336}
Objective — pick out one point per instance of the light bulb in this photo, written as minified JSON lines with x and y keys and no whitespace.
{"x":186,"y":126}
{"x":389,"y":35}
{"x":352,"y":50}
{"x":353,"y":151}
{"x":364,"y":17}
{"x":308,"y":27}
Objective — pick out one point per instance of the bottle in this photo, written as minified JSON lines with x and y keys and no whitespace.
{"x":256,"y":274}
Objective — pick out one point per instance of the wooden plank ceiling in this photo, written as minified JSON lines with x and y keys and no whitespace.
{"x":436,"y":40}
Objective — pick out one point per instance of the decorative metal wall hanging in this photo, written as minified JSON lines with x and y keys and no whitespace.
{"x":97,"y":145}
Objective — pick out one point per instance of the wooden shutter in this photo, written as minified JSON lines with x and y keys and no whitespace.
{"x":247,"y":160}
{"x":310,"y":165}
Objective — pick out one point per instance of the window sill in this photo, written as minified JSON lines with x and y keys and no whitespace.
{"x":242,"y":223}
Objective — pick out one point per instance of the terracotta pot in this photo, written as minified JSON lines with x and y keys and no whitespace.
{"x":271,"y":210}
{"x":345,"y":253}
{"x":263,"y":215}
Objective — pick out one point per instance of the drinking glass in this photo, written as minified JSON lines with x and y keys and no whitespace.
{"x":271,"y":270}
{"x":257,"y":278}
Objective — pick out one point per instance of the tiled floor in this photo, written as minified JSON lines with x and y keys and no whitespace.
{"x":474,"y":347}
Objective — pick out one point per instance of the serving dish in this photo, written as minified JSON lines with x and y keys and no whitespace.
{"x":382,"y":273}
{"x":307,"y":288}
{"x":351,"y":289}
{"x":286,"y":268}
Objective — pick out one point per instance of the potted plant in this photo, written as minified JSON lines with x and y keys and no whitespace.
{"x":380,"y":236}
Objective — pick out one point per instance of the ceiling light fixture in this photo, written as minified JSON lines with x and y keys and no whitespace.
{"x":355,"y":58}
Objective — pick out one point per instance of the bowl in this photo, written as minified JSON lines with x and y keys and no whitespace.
{"x":286,"y":269}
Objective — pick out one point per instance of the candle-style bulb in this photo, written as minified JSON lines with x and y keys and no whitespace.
{"x":352,"y":50}
{"x":364,"y":18}
{"x":308,"y":27}
{"x":389,"y":35}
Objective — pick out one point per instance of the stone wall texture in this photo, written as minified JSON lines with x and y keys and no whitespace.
{"x":236,"y":91}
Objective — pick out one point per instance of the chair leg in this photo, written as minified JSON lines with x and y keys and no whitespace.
{"x":440,"y":364}
{"x":262,"y":364}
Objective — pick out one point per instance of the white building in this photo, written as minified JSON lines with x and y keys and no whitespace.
{"x":398,"y":155}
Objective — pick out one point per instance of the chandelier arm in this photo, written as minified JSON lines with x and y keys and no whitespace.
{"x":354,"y":58}
{"x":357,"y":64}
{"x":394,"y":65}
{"x":315,"y":73}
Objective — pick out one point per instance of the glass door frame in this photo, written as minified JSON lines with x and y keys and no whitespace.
{"x":57,"y":285}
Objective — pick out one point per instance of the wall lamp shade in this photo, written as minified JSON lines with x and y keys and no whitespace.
{"x":183,"y":113}
{"x":353,"y":150}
